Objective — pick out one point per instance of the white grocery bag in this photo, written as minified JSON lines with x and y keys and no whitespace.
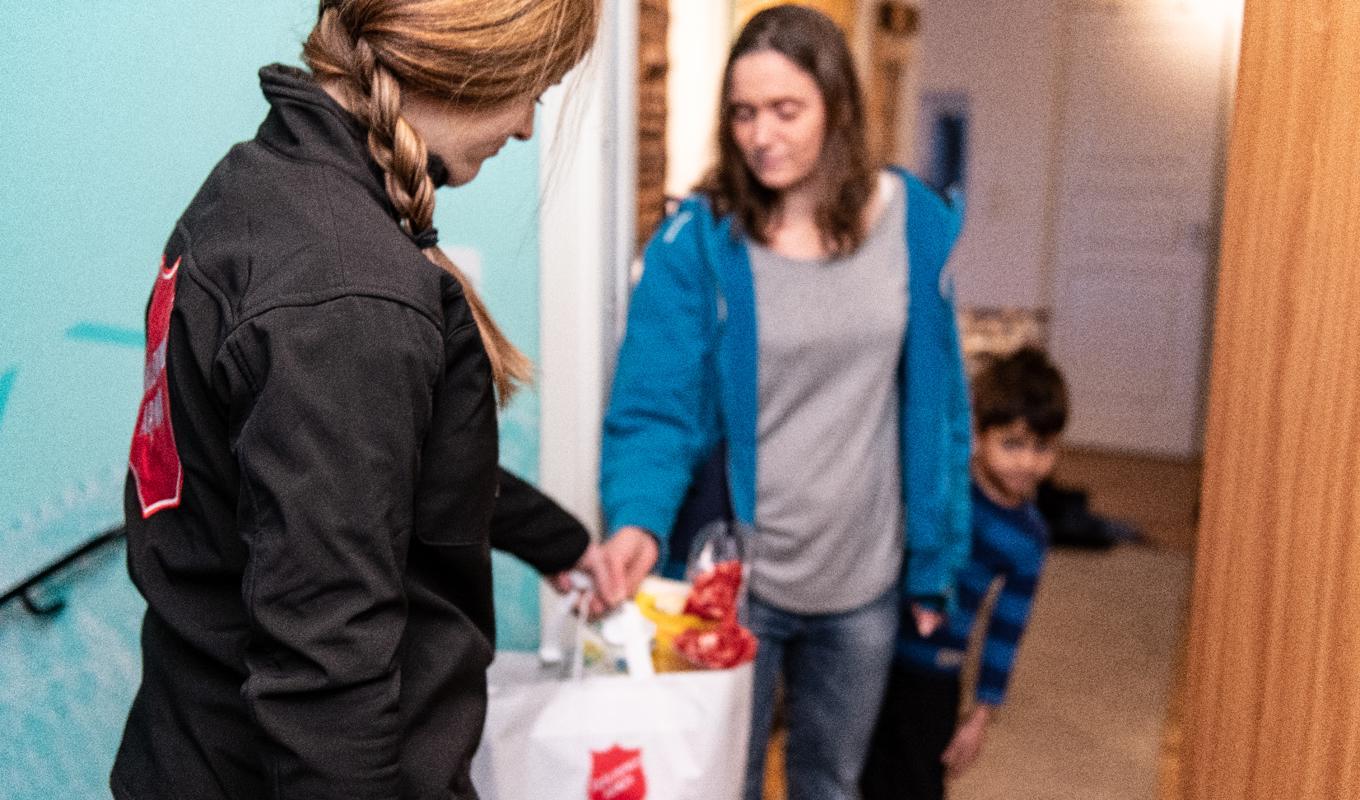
{"x":672,"y":736}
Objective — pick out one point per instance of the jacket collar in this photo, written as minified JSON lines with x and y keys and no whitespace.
{"x":306,"y":124}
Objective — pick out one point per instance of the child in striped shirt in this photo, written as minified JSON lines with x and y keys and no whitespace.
{"x":1019,"y":410}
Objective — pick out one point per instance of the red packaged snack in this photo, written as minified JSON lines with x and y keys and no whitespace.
{"x":726,"y":646}
{"x":714,"y":595}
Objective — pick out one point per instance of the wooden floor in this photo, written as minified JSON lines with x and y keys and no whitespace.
{"x":1070,"y":710}
{"x":774,"y":767}
{"x":1159,"y":496}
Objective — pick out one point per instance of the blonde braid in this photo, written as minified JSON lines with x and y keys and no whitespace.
{"x":374,"y":96}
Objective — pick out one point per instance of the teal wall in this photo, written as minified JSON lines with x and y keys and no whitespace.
{"x":113,"y":115}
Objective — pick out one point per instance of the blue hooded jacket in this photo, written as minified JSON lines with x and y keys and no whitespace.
{"x":687,"y":378}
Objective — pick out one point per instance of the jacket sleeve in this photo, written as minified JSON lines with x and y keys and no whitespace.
{"x":661,"y":417}
{"x":938,"y":421}
{"x":1005,"y":630}
{"x":532,"y":527}
{"x":330,"y":409}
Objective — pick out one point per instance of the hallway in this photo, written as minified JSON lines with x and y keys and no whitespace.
{"x":1090,"y":693}
{"x":1094,"y":683}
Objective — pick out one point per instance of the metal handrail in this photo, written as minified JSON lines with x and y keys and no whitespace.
{"x":23,"y":591}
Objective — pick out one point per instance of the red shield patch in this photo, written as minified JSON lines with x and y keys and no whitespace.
{"x":154,"y":459}
{"x":616,"y":774}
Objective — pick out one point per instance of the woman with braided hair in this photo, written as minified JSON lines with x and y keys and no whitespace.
{"x":313,"y":487}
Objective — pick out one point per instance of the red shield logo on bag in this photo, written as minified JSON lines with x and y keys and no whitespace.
{"x":154,"y":460}
{"x":616,"y":774}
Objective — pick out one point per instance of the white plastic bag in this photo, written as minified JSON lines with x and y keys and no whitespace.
{"x":673,"y":736}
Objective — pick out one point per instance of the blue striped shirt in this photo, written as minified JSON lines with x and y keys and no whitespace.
{"x":1009,"y":544}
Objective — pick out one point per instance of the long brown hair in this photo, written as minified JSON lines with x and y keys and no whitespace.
{"x":810,"y":40}
{"x":470,"y":52}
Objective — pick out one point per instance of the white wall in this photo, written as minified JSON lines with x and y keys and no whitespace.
{"x":698,"y":38}
{"x":1005,"y":57}
{"x":586,"y":227}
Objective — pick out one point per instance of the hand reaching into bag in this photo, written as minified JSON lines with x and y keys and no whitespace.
{"x":608,"y":590}
{"x":628,"y":556}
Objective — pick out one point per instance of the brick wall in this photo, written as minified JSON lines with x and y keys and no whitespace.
{"x":653,"y":17}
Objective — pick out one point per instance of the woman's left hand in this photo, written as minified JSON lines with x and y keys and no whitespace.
{"x":927,"y":619}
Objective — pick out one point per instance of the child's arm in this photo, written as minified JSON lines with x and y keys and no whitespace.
{"x":963,"y":749}
{"x":1010,"y":617}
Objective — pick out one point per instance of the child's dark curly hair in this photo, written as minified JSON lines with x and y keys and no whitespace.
{"x":1023,"y":385}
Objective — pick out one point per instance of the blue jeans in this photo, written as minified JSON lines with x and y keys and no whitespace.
{"x":835,"y":668}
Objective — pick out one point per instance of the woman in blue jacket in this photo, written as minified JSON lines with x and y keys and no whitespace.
{"x":795,"y":310}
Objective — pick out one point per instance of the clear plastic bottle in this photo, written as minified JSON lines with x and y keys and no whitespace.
{"x":721,"y":552}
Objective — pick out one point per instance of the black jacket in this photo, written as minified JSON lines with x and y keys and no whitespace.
{"x":318,"y":583}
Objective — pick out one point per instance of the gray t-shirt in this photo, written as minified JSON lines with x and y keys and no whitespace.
{"x":828,"y":478}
